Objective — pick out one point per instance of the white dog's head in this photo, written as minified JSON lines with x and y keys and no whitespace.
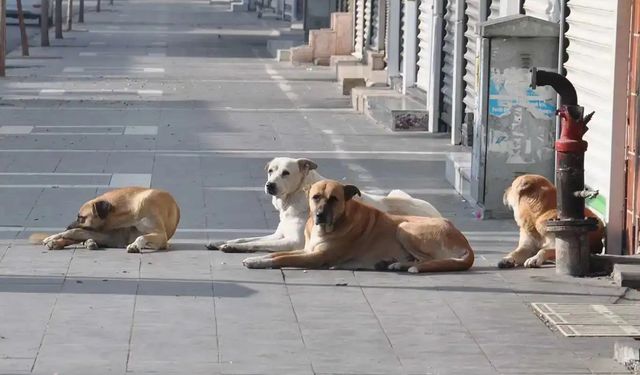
{"x":285,"y":175}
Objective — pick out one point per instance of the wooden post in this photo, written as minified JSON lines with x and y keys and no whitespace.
{"x":69,"y":15}
{"x":3,"y":35}
{"x":24,"y":40}
{"x":44,"y":23}
{"x":81,"y":12}
{"x":58,"y":19}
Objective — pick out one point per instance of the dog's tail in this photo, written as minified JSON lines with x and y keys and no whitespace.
{"x":446,"y":265}
{"x":37,"y":238}
{"x":398,"y":194}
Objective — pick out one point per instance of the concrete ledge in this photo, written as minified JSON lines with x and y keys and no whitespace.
{"x":242,"y":6}
{"x":348,"y":84}
{"x":275,"y":45}
{"x":283,"y":55}
{"x":335,"y":59}
{"x":458,"y":174}
{"x":360,"y":96}
{"x":627,"y":352}
{"x":627,"y":275}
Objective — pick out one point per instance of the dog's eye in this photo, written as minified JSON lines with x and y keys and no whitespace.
{"x":332,"y":199}
{"x":285,"y":173}
{"x":270,"y":171}
{"x":316,"y":197}
{"x":81,"y":219}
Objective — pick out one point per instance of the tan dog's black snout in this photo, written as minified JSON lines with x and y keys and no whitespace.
{"x":323,"y":214}
{"x":92,"y":215}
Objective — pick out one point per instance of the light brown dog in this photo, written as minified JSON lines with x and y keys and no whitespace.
{"x":533,"y":200}
{"x":342,"y":233}
{"x":133,"y":217}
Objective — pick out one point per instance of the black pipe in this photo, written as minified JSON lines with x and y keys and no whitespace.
{"x":561,"y":84}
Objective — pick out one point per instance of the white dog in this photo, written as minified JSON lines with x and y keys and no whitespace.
{"x":288,"y":181}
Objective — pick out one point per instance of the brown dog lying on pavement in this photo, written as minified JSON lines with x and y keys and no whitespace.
{"x":133,"y":217}
{"x":343,"y":233}
{"x":533,"y":200}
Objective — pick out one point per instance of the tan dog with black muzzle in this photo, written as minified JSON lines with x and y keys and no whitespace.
{"x":343,"y":233}
{"x":136,"y":218}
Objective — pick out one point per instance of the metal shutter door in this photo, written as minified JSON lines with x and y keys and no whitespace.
{"x":494,"y":10}
{"x":590,"y":67}
{"x":447,"y":63}
{"x":367,"y":22}
{"x":474,"y":16}
{"x":359,"y":34}
{"x":402,"y":23}
{"x":387,"y":17}
{"x":545,"y":9}
{"x":425,"y":24}
{"x":375,"y":24}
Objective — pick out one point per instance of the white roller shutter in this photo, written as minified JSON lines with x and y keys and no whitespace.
{"x":447,"y":62}
{"x":402,"y":23}
{"x":548,"y":10}
{"x":590,"y":67}
{"x":359,"y":33}
{"x":425,"y":24}
{"x":367,"y":22}
{"x":475,"y":15}
{"x":375,"y":24}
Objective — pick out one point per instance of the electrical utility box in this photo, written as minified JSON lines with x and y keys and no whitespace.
{"x":515,"y":126}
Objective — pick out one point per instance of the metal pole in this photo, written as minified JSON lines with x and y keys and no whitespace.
{"x":44,"y":23}
{"x":98,"y":6}
{"x":69,"y":15}
{"x":58,"y":19}
{"x":24,"y":41}
{"x":81,"y":12}
{"x":3,"y":37}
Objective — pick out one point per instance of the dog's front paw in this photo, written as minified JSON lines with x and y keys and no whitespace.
{"x":397,"y":266}
{"x":51,"y":239}
{"x":215,"y":245}
{"x":54,"y":244}
{"x":91,"y":244}
{"x":534,"y":262}
{"x":257,"y":262}
{"x":506,"y":263}
{"x":133,"y":248}
{"x":229,"y":248}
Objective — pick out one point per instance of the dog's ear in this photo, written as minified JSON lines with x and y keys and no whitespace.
{"x":266,"y":166}
{"x":102,"y":209}
{"x":350,"y":191}
{"x":306,"y":165}
{"x":524,"y":186}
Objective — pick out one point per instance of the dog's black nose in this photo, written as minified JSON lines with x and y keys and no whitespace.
{"x":271,"y":188}
{"x":320,"y":218}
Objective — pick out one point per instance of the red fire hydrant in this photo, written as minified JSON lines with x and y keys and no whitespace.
{"x":571,"y":227}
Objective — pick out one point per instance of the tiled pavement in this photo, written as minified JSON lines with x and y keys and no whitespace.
{"x":182,"y":95}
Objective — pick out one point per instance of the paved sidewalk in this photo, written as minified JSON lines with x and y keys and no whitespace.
{"x":183,"y":96}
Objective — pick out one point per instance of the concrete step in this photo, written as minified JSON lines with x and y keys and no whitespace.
{"x":397,"y":112}
{"x":627,"y":275}
{"x":280,"y":47}
{"x":322,"y":61}
{"x":627,"y":352}
{"x":458,"y":174}
{"x":240,"y":6}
